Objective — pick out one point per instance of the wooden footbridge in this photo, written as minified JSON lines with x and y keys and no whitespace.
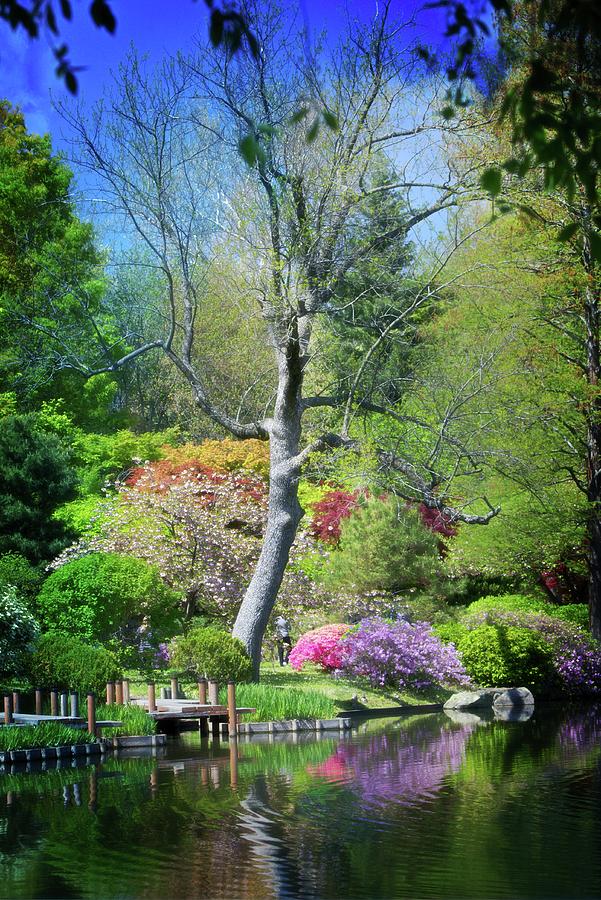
{"x":168,"y":712}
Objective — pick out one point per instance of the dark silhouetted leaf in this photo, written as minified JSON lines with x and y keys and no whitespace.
{"x":595,"y":239}
{"x":567,"y":232}
{"x":491,"y":180}
{"x":313,"y":131}
{"x":51,"y":20}
{"x":71,"y":82}
{"x":330,"y":119}
{"x":102,"y":16}
{"x":299,"y":115}
{"x":249,"y":148}
{"x":216,"y":27}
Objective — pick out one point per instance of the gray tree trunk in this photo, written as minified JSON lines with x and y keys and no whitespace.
{"x":284,"y":511}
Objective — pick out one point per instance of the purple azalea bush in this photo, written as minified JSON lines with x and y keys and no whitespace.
{"x":576,"y":655}
{"x":400,"y":654}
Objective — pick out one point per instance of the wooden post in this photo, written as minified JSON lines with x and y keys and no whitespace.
{"x":233,"y":761}
{"x":152,"y":703}
{"x":110,"y":692}
{"x":38,"y":702}
{"x":119,"y":693}
{"x":126,"y":690}
{"x":8,"y":709}
{"x":93,"y":787}
{"x":203,"y":727}
{"x":16,"y":702}
{"x":174,"y":688}
{"x":64,"y":704}
{"x":92,"y":714}
{"x":232,"y":722}
{"x":54,"y":702}
{"x":215,"y":727}
{"x":213,"y":692}
{"x":74,"y":704}
{"x":202,"y":691}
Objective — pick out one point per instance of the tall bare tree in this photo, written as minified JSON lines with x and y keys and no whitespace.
{"x":166,"y":155}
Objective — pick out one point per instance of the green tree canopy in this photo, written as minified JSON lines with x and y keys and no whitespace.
{"x":35,"y":477}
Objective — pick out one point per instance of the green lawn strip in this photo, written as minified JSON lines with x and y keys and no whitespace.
{"x":46,"y":734}
{"x":284,"y":693}
{"x":346,"y":693}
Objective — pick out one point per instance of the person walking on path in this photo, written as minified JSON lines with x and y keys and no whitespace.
{"x":282,"y":637}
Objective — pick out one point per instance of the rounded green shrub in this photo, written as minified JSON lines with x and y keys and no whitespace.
{"x":19,"y":572}
{"x":63,"y":661}
{"x":99,"y":594}
{"x":211,"y":653}
{"x":506,"y":655}
{"x":18,"y":631}
{"x":507,"y":602}
{"x":574,"y":613}
{"x":450,"y":632}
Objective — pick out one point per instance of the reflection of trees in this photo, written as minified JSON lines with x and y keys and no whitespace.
{"x":265,"y":832}
{"x":426,"y":810}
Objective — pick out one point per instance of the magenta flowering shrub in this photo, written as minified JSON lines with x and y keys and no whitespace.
{"x":322,"y":646}
{"x":576,"y":655}
{"x":400,"y":654}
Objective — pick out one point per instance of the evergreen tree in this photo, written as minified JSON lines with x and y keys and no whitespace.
{"x":35,"y":477}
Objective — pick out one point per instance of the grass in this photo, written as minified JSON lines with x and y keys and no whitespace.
{"x":135,"y":720}
{"x":284,"y":693}
{"x":273,"y":703}
{"x":46,"y":734}
{"x":345,"y":693}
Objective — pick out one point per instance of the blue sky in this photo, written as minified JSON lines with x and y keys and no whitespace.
{"x":156,"y":27}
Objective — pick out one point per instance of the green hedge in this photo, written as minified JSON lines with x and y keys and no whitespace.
{"x":63,"y":661}
{"x":507,"y":656}
{"x":211,"y":653}
{"x":97,"y":595}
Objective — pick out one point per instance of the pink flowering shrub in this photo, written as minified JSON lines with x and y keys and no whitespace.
{"x":322,"y":646}
{"x":400,"y":654}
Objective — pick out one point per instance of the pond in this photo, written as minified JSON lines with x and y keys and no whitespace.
{"x":413,"y":807}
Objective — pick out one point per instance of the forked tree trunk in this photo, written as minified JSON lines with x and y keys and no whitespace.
{"x":283,"y":517}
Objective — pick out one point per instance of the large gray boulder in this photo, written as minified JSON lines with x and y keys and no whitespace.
{"x":477,"y":699}
{"x":491,"y":698}
{"x":513,"y":697}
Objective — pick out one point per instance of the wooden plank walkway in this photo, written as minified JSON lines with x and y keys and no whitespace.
{"x":73,"y":721}
{"x":169,"y":712}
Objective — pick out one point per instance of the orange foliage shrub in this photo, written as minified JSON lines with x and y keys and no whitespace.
{"x":227,"y":455}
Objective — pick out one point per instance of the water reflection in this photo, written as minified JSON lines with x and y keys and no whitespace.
{"x":430,"y":806}
{"x":404,"y":766}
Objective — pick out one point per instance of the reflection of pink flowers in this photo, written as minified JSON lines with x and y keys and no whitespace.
{"x":322,"y":646}
{"x":397,"y":767}
{"x":333,"y":769}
